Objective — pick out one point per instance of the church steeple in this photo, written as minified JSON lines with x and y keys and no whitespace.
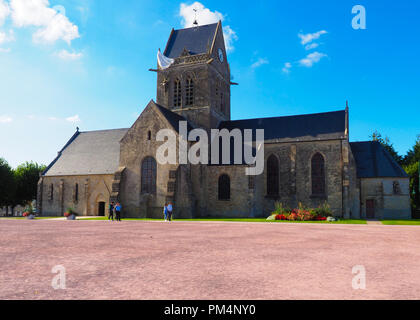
{"x":197,"y":84}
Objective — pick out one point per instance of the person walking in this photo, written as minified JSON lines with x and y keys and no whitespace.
{"x":170,"y":211}
{"x":165,"y":212}
{"x":111,"y":211}
{"x":118,"y":212}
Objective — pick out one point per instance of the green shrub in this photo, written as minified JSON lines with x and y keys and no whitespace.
{"x":280,"y":209}
{"x":323,"y":210}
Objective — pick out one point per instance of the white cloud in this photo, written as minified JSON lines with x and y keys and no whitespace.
{"x":287,"y":67}
{"x":7,"y":50}
{"x":311,"y":46}
{"x":73,"y":119}
{"x":7,"y":37}
{"x":5,"y":119}
{"x":259,"y":63}
{"x":309,"y":37}
{"x":52,"y":22}
{"x":52,"y":118}
{"x":230,"y":37}
{"x":311,"y":59}
{"x":69,"y":56}
{"x":206,"y":16}
{"x":4,"y":11}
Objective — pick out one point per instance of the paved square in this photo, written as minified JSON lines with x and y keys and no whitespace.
{"x":208,"y":260}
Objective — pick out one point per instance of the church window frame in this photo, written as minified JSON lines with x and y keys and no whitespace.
{"x":318,"y":175}
{"x":273,"y":176}
{"x":396,"y":188}
{"x":148,"y":175}
{"x":251,"y":182}
{"x":189,"y":92}
{"x":171,"y":186}
{"x":177,"y":98}
{"x":51,"y":192}
{"x":224,"y":188}
{"x":76,"y":193}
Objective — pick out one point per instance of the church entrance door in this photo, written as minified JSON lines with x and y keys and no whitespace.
{"x":101,"y":209}
{"x":370,"y":209}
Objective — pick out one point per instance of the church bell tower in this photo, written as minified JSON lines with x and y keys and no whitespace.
{"x":194,"y":77}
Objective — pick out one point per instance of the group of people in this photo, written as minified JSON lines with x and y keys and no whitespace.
{"x":114,"y":210}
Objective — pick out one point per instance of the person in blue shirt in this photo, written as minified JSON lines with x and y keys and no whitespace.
{"x":118,"y":212}
{"x":165,"y":212}
{"x":170,"y":210}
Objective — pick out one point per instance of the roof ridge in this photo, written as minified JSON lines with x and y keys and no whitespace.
{"x":293,"y":116}
{"x":104,"y":130}
{"x":204,"y":25}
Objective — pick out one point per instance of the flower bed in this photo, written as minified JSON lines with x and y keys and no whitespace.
{"x":70,"y":214}
{"x":322,"y":213}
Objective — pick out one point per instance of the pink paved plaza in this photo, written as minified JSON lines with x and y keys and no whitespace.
{"x":207,"y":260}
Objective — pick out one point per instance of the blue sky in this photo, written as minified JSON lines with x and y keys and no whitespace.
{"x":85,"y":63}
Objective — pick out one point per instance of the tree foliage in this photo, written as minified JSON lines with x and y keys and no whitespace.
{"x":386,"y":143}
{"x":411,"y":165}
{"x":26,"y":177}
{"x":18,"y":187}
{"x":7,"y":184}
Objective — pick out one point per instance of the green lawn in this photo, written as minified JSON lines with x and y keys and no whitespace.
{"x":241,"y":220}
{"x":37,"y":218}
{"x":401,"y":222}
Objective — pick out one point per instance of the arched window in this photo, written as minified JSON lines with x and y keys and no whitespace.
{"x":76,"y":192}
{"x":51,"y":192}
{"x":318,"y":175}
{"x":189,"y":92}
{"x":149,"y":135}
{"x":396,"y":187}
{"x":177,"y":94}
{"x":224,"y":187}
{"x":148,"y":175}
{"x":273,"y":176}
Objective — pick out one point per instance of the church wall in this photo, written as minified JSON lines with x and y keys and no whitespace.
{"x":295,"y":174}
{"x":294,"y":181}
{"x":242,"y":199}
{"x":135,"y":147}
{"x":354,"y":189}
{"x":92,"y":189}
{"x":387,"y":204}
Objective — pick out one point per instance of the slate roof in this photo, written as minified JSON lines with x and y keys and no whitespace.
{"x":374,"y":161}
{"x":173,"y":118}
{"x":328,"y":125}
{"x":94,"y":152}
{"x":196,"y":40}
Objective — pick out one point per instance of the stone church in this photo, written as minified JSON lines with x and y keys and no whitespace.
{"x":308,"y":158}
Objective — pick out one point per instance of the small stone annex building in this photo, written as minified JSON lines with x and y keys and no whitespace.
{"x":308,"y":158}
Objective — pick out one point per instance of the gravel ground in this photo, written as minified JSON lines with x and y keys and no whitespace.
{"x":207,"y":260}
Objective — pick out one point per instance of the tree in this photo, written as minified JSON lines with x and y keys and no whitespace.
{"x":7,"y":184}
{"x":411,"y":164}
{"x":413,"y":155}
{"x":386,"y":143}
{"x":27,"y":177}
